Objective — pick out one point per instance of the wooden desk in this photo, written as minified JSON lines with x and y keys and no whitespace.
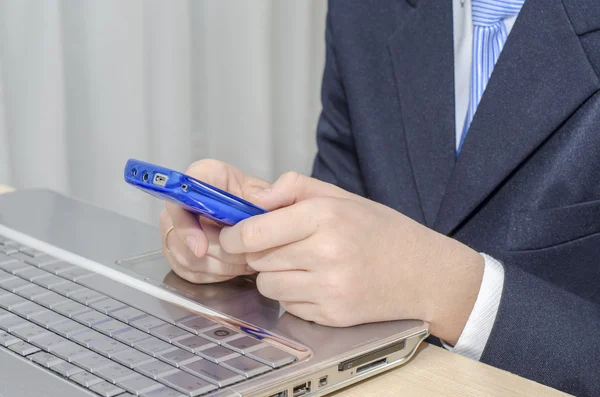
{"x":437,"y":372}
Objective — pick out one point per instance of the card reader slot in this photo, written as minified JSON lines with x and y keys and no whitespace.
{"x":371,"y":356}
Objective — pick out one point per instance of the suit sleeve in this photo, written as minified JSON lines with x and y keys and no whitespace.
{"x":336,"y":161}
{"x":546,"y":334}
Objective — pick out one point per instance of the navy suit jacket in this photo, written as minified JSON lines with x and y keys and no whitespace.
{"x":526,"y":186}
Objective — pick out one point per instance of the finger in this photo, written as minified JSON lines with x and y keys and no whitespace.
{"x":176,"y":249}
{"x":197,"y":277}
{"x":188,"y":229}
{"x":206,"y":264}
{"x":291,"y":286}
{"x":289,"y":257}
{"x":270,"y":230}
{"x":178,"y":254}
{"x":293,"y":187}
{"x":212,"y":231}
{"x":227,"y":177}
{"x":308,"y":311}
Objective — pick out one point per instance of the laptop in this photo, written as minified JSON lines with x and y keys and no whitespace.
{"x":89,"y":306}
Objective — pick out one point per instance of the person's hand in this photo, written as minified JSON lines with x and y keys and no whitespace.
{"x":192,"y":246}
{"x":338,"y":259}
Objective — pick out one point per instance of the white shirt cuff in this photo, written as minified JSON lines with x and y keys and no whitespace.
{"x":477,"y":331}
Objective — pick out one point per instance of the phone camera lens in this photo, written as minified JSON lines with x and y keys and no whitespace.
{"x":134,"y":172}
{"x":145,"y":177}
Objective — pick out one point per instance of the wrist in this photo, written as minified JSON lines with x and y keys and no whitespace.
{"x":457,"y":279}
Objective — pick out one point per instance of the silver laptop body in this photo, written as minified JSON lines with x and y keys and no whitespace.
{"x":88,"y":306}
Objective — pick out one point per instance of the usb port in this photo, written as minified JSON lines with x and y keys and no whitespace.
{"x":160,"y":179}
{"x":301,"y":390}
{"x":323,"y":381}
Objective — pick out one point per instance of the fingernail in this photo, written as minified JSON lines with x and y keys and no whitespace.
{"x":249,"y":269}
{"x":192,"y":243}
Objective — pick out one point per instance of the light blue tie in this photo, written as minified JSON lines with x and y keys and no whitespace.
{"x":489,"y":36}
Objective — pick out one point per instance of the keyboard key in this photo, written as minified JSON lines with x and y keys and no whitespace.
{"x":168,"y":332}
{"x":178,"y":357}
{"x":71,"y":309}
{"x":8,"y":250}
{"x":164,"y":392}
{"x":107,"y":306}
{"x":132,"y":358}
{"x":106,"y":389}
{"x":30,"y":331}
{"x":14,"y":284}
{"x":50,"y":300}
{"x":31,"y":252}
{"x":93,"y":362}
{"x":5,"y":258}
{"x":272,"y":356}
{"x":111,"y":327}
{"x":9,"y":301}
{"x":66,"y":369}
{"x":196,"y":324}
{"x":10,"y":324}
{"x":223,"y":393}
{"x":31,"y":274}
{"x":108,"y":347}
{"x":68,"y":288}
{"x":194,"y":343}
{"x":49,"y":281}
{"x":11,"y":265}
{"x":218,"y":334}
{"x":155,"y":369}
{"x":91,"y":318}
{"x":50,"y":342}
{"x":127,"y":314}
{"x":47,"y":318}
{"x":244,"y":344}
{"x":187,"y":383}
{"x":152,"y":346}
{"x":33,"y":291}
{"x":4,"y":276}
{"x":45,"y":359}
{"x":5,"y":313}
{"x":147,"y":323}
{"x":86,"y":379}
{"x":7,"y":339}
{"x":246,"y":366}
{"x":38,"y":261}
{"x":29,"y":309}
{"x":87,"y":296}
{"x":88,"y":338}
{"x":213,"y":373}
{"x":23,"y":348}
{"x":75,"y":273}
{"x":132,"y":336}
{"x":115,"y":373}
{"x":139,"y":384}
{"x":68,"y":328}
{"x":55,"y":267}
{"x":71,"y":351}
{"x":218,"y":354}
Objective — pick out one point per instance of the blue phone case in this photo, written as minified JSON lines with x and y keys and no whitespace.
{"x":193,"y":195}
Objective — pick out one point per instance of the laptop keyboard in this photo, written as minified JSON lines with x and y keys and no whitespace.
{"x":48,"y":316}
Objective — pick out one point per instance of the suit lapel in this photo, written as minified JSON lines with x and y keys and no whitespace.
{"x":542,"y":77}
{"x":422,"y":56}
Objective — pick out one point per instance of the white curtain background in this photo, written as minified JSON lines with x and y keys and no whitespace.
{"x":87,"y":84}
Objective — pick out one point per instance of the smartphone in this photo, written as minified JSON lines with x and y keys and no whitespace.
{"x":195,"y":196}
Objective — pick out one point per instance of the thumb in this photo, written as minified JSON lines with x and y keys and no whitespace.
{"x":293,"y":187}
